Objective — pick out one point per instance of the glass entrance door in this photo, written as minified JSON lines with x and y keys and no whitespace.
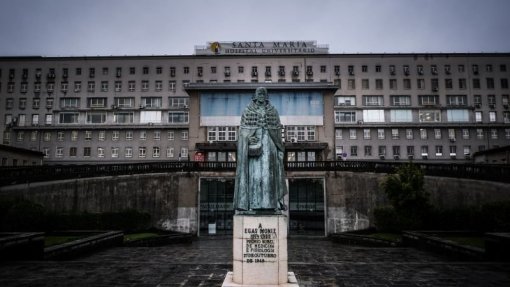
{"x":216,"y":205}
{"x":306,"y":206}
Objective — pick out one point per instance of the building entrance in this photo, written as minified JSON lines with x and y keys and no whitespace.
{"x":216,"y":205}
{"x":306,"y":206}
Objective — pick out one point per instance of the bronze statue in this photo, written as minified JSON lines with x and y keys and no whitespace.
{"x":260,"y":182}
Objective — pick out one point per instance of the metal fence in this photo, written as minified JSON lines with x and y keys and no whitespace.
{"x":17,"y":175}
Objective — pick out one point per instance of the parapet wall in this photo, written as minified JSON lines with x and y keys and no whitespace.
{"x":172,"y":198}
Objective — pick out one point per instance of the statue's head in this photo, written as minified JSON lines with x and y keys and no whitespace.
{"x":261,"y":96}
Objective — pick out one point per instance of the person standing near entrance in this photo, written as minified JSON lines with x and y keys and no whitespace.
{"x":260,"y":181}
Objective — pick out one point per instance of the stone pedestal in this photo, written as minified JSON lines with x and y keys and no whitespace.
{"x":260,"y":252}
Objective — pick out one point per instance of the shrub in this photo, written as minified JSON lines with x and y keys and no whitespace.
{"x":386,"y":219}
{"x":22,"y":215}
{"x":496,"y":216}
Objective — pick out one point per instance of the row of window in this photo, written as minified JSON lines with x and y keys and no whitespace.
{"x":91,"y":87}
{"x":422,"y":116}
{"x":410,"y":151}
{"x":145,"y":117}
{"x":98,"y":135}
{"x":424,"y":134}
{"x":393,"y":84}
{"x":423,"y":100}
{"x":116,"y":152}
{"x":351,"y":69}
{"x":95,"y":102}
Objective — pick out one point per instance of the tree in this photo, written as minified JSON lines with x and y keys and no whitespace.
{"x":405,"y":191}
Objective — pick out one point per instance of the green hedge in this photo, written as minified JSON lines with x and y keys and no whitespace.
{"x":23,"y":215}
{"x":490,"y":217}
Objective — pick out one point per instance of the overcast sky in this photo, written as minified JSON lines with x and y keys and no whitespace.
{"x":158,"y":27}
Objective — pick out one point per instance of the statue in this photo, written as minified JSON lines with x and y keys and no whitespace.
{"x":260,"y":182}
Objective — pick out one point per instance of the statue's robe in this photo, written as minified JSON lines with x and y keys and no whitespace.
{"x":260,"y":182}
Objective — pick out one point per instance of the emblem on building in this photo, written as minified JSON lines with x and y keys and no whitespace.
{"x":215,"y":47}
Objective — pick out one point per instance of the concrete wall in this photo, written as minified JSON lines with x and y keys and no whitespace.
{"x":172,"y":199}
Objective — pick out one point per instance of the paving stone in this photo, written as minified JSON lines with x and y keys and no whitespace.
{"x":205,"y":262}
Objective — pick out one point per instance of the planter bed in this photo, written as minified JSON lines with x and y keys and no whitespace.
{"x":21,"y":245}
{"x":435,"y":241}
{"x":160,"y":238}
{"x":364,"y":238}
{"x":90,"y":241}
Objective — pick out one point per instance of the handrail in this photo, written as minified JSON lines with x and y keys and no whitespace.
{"x":17,"y":175}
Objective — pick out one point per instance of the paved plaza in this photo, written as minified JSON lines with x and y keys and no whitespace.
{"x":315,"y":261}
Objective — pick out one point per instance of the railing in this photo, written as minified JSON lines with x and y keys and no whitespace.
{"x":17,"y":175}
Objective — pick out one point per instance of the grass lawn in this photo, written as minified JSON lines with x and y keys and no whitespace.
{"x":137,"y":236}
{"x":52,"y":240}
{"x":473,"y":241}
{"x":386,"y":236}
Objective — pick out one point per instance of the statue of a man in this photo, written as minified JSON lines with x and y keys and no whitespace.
{"x":260,"y":182}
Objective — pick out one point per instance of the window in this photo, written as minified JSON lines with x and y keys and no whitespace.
{"x":378,"y":84}
{"x":439,"y":150}
{"x":465,"y":134}
{"x":407,"y":84}
{"x":132,"y":70}
{"x":420,"y":84}
{"x":354,"y":150}
{"x":377,"y":68}
{"x":100,"y":152}
{"x":423,"y":134}
{"x":429,"y":115}
{"x":129,"y":135}
{"x":351,"y":84}
{"x":401,"y":116}
{"x":491,"y":99}
{"x":184,"y":152}
{"x":300,"y":133}
{"x":451,"y":134}
{"x":366,"y":134}
{"x":353,"y":134}
{"x":128,"y":152}
{"x":345,"y":100}
{"x":171,"y":86}
{"x":49,"y":103}
{"x":64,"y":87}
{"x":145,"y":86}
{"x":169,"y":152}
{"x":22,"y":103}
{"x":123,"y":117}
{"x":150,"y":117}
{"x":91,"y":86}
{"x":506,"y":117}
{"x":184,"y":135}
{"x":345,"y":117}
{"x":73,"y":151}
{"x":172,"y":72}
{"x":131,"y":86}
{"x":77,"y":87}
{"x":462,"y":84}
{"x":36,"y":103}
{"x":34,"y":136}
{"x":409,"y":134}
{"x":337,"y":70}
{"x":339,"y":134}
{"x":69,"y":103}
{"x":157,"y":135}
{"x":373,"y":100}
{"x":59,"y":152}
{"x":395,"y":134}
{"x":159,"y":86}
{"x":115,"y":152}
{"x":457,"y":115}
{"x":365,"y":84}
{"x":456,"y":100}
{"x":48,"y":120}
{"x":155,"y":151}
{"x":151,"y":102}
{"x":477,"y":99}
{"x":490,"y":83}
{"x":115,"y":135}
{"x":124,"y":102}
{"x":60,"y":136}
{"x":410,"y":151}
{"x":380,"y":134}
{"x":393,"y":84}
{"x":47,"y":136}
{"x":96,"y":102}
{"x":368,"y":150}
{"x":143,"y":135}
{"x":504,"y":83}
{"x":178,"y":117}
{"x":424,"y":151}
{"x":178,"y":102}
{"x":478,"y":117}
{"x":221,"y":134}
{"x":479,"y":134}
{"x":428,"y":100}
{"x":373,"y":116}
{"x":68,"y":118}
{"x":86,"y":151}
{"x":96,"y":117}
{"x":396,"y":151}
{"x":400,"y":100}
{"x":476,"y":83}
{"x":20,"y":136}
{"x":492,"y":116}
{"x":437,"y":134}
{"x":142,"y":151}
{"x":21,"y":120}
{"x":104,"y":86}
{"x":170,"y":135}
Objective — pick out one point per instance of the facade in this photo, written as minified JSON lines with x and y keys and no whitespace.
{"x":13,"y":156}
{"x":389,"y":107}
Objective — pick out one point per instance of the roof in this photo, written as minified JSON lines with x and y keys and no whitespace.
{"x":20,"y":150}
{"x":493,"y":150}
